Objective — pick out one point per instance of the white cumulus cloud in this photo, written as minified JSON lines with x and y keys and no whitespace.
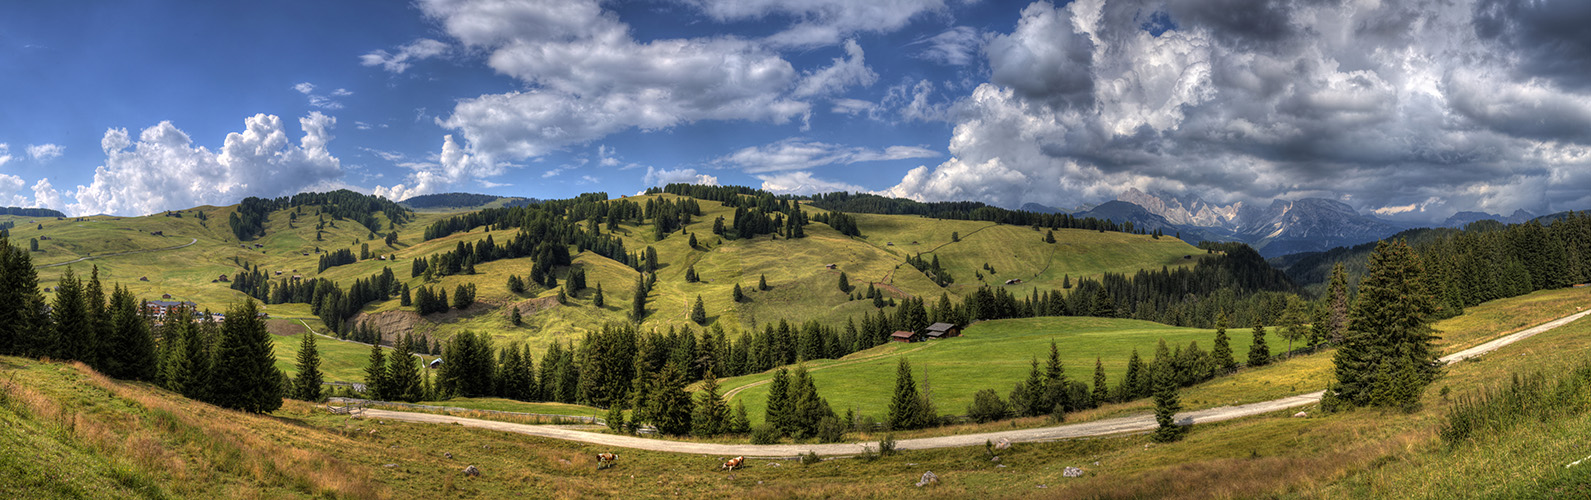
{"x":406,"y":55}
{"x":45,"y":152}
{"x":164,"y":170}
{"x":797,"y":154}
{"x":802,"y":182}
{"x":659,"y":177}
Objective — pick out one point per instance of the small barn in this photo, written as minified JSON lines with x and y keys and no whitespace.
{"x":938,"y":331}
{"x":436,"y":363}
{"x":905,"y":336}
{"x":165,"y":296}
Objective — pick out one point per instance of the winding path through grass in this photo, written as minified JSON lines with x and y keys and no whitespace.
{"x":129,"y":252}
{"x":1136,"y":423}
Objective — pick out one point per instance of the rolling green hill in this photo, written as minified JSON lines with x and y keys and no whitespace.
{"x":801,"y":287}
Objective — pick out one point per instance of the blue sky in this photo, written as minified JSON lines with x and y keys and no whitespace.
{"x":1410,"y":110}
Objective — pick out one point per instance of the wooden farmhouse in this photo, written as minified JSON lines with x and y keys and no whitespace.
{"x":905,"y":336}
{"x":938,"y":331}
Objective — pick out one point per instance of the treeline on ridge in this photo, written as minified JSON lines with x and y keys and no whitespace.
{"x":248,"y":222}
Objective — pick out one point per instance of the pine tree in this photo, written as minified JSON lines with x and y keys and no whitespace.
{"x":405,"y":300}
{"x":1167,"y":404}
{"x":1222,"y":354}
{"x":129,"y":348}
{"x":191,"y":375}
{"x":1387,"y":358}
{"x":245,"y":376}
{"x":762,"y":283}
{"x":638,"y":301}
{"x":306,"y":384}
{"x":23,"y":330}
{"x":73,"y":333}
{"x":376,"y":374}
{"x":599,"y":299}
{"x":1101,"y":390}
{"x":712,"y":413}
{"x":1259,"y":354}
{"x":1337,"y":297}
{"x":1294,"y":319}
{"x":738,"y":295}
{"x":777,"y":413}
{"x":699,"y":312}
{"x":403,"y":374}
{"x":98,"y":318}
{"x":1049,"y":237}
{"x":741,"y":423}
{"x":514,"y":317}
{"x":905,"y":409}
{"x":671,"y":405}
{"x":845,"y":282}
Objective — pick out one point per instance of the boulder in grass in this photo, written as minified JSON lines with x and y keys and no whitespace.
{"x":1300,"y":415}
{"x":928,"y":478}
{"x":1003,"y":444}
{"x":1072,"y":472}
{"x":471,"y":471}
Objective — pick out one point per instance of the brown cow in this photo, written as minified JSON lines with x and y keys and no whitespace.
{"x":605,"y":460}
{"x":734,"y":463}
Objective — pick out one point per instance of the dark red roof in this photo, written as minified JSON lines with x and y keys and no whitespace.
{"x":903,"y":334}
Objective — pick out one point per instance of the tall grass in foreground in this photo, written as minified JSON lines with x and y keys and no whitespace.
{"x":1530,"y":396}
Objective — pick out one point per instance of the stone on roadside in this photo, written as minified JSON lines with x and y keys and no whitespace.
{"x":1300,"y":415}
{"x":1003,"y":444}
{"x":928,"y":478}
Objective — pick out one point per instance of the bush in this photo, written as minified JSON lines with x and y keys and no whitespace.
{"x":1530,"y":397}
{"x":830,"y":430}
{"x":810,"y":458}
{"x":764,"y":434}
{"x":886,"y":446}
{"x":987,"y":407}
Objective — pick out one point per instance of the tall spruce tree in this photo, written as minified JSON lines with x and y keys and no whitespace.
{"x":245,"y":376}
{"x":1387,"y":358}
{"x":307,"y":382}
{"x":191,"y":375}
{"x":403,"y":373}
{"x":778,"y":411}
{"x":1167,"y":404}
{"x":1259,"y":354}
{"x":129,"y":348}
{"x":671,"y":405}
{"x":1101,"y":390}
{"x":711,"y":415}
{"x":376,"y":373}
{"x":22,"y":322}
{"x":1337,"y":304}
{"x":74,"y":335}
{"x":638,"y":301}
{"x":599,"y":299}
{"x":1222,"y":353}
{"x":906,"y":409}
{"x":699,"y":312}
{"x":98,"y":317}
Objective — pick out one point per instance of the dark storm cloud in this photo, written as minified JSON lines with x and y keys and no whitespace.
{"x":1424,"y":103}
{"x":1551,"y":37}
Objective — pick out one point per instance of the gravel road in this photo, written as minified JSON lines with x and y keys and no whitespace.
{"x":1119,"y":425}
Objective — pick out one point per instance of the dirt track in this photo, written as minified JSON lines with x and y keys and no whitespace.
{"x":1120,"y":425}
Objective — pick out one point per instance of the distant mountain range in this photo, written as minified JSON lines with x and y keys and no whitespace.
{"x":1283,"y":227}
{"x":1462,"y":219}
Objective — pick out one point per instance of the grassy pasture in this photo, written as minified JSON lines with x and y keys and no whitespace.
{"x":989,"y":355}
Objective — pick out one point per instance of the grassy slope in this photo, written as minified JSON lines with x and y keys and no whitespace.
{"x":298,"y":451}
{"x":802,"y":288}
